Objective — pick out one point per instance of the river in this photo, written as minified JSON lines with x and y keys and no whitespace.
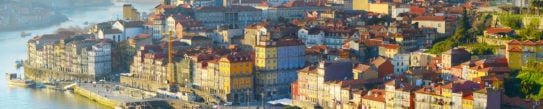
{"x":14,"y":48}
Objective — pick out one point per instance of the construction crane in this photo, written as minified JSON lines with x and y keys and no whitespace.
{"x":170,"y":73}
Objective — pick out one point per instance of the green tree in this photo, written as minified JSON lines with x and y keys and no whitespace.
{"x":530,"y":81}
{"x":440,"y":47}
{"x":482,"y":23}
{"x":511,"y":20}
{"x":531,"y":30}
{"x":465,"y":20}
{"x":460,"y":36}
{"x":527,"y":87}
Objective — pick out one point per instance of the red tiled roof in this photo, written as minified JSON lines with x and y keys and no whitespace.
{"x":493,"y":30}
{"x":417,"y":10}
{"x":430,"y":18}
{"x":375,"y":95}
{"x":142,"y":36}
{"x":539,"y":42}
{"x":391,"y":46}
{"x":469,"y":97}
{"x":514,"y":42}
{"x":515,"y":49}
{"x":528,"y":42}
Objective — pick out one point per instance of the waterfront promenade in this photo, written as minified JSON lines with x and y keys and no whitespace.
{"x":114,"y":95}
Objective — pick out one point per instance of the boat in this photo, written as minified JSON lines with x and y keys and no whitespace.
{"x":15,"y":81}
{"x":52,"y":86}
{"x":86,"y":23}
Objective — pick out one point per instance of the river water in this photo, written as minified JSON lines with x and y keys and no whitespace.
{"x":13,"y":48}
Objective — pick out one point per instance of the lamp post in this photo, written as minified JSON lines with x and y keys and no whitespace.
{"x":262,"y":97}
{"x":247,"y":97}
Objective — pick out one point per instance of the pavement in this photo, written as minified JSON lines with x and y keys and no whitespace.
{"x":113,"y":92}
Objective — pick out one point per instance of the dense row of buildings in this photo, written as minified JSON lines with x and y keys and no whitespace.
{"x":68,"y":56}
{"x":326,"y":54}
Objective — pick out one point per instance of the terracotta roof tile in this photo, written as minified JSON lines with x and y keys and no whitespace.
{"x":514,"y":42}
{"x":493,"y":30}
{"x":430,"y":18}
{"x":391,"y":46}
{"x":375,"y":95}
{"x":528,"y":42}
{"x":417,"y":10}
{"x":515,"y":49}
{"x":539,"y":42}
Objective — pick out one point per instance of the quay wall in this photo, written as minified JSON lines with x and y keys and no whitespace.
{"x":142,"y":83}
{"x":95,"y":97}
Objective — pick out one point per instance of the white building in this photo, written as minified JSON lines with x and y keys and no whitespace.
{"x":128,"y":29}
{"x":311,"y":37}
{"x":438,"y":22}
{"x":112,"y":34}
{"x":222,"y":37}
{"x":401,"y":63}
{"x":521,"y":3}
{"x":99,"y":60}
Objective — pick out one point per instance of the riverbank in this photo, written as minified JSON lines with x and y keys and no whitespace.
{"x":115,"y":96}
{"x":45,"y":98}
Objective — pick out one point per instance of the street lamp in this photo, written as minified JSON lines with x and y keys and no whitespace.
{"x":247,"y":97}
{"x":262,"y":97}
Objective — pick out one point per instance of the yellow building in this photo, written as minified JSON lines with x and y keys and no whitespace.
{"x":399,"y":95}
{"x":467,"y":102}
{"x":429,"y":98}
{"x":447,"y":93}
{"x":377,"y":7}
{"x":375,"y":99}
{"x":518,"y":53}
{"x":266,"y":56}
{"x":236,"y":76}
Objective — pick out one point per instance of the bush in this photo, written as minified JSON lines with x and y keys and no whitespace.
{"x":482,"y":49}
{"x":529,"y":82}
{"x":513,"y":21}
